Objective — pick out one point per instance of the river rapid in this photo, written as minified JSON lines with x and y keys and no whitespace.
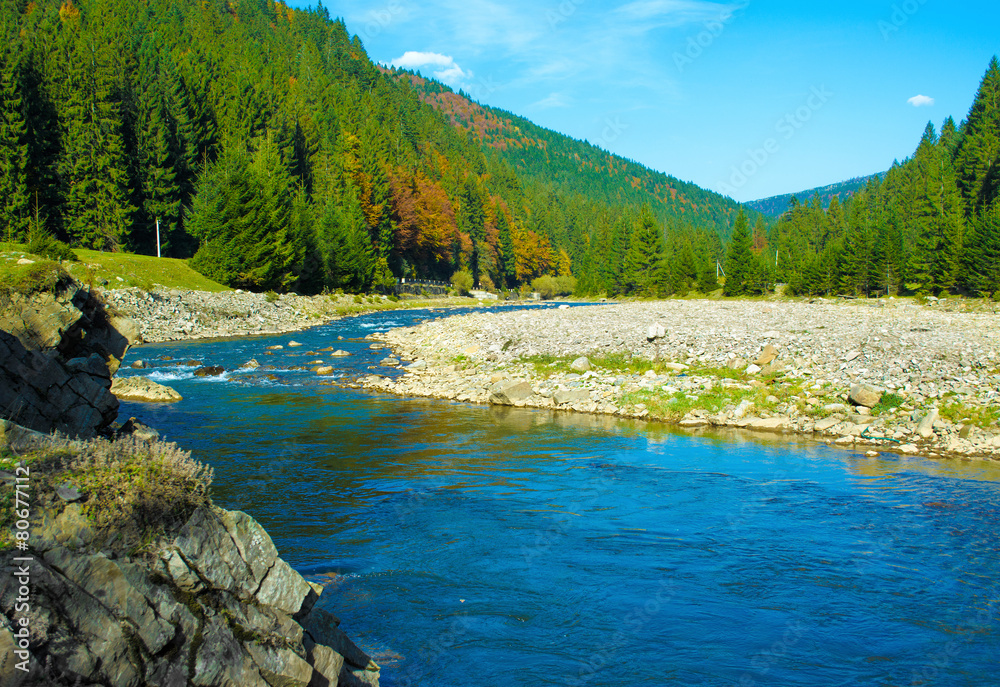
{"x":480,"y":546}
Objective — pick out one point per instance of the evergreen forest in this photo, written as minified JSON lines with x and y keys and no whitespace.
{"x":261,"y":142}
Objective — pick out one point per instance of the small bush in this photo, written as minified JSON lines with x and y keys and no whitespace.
{"x":358,"y":298}
{"x":394,"y":298}
{"x":549,"y":287}
{"x":44,"y":244}
{"x":270,"y":296}
{"x":486,"y":284}
{"x":135,"y":489}
{"x":888,"y":402}
{"x":462,"y":281}
{"x":39,"y":277}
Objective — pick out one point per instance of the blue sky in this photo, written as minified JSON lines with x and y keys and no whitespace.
{"x":750,"y":99}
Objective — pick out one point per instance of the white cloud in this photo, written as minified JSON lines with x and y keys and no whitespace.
{"x":921,"y":101}
{"x":444,"y":68}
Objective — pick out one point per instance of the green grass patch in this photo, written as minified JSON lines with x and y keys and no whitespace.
{"x":142,"y":271}
{"x":889,"y":402}
{"x":674,"y":406}
{"x":39,"y":277}
{"x":960,"y":413}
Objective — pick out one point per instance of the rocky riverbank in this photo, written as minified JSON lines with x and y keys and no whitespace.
{"x":917,"y":377}
{"x":178,"y":315}
{"x":115,"y":566}
{"x":175,"y":315}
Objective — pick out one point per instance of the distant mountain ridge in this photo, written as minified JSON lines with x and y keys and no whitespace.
{"x":775,"y":206}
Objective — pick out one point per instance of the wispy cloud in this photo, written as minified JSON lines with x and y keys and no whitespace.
{"x":553,"y":100}
{"x":673,"y":13}
{"x":444,"y":67}
{"x":921,"y":101}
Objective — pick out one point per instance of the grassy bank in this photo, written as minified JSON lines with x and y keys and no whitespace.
{"x":119,"y":270}
{"x":131,"y":491}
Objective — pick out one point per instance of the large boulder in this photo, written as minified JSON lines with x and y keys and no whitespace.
{"x":766,"y":356}
{"x":143,"y":390}
{"x":508,"y":392}
{"x":58,"y":352}
{"x":864,"y":395}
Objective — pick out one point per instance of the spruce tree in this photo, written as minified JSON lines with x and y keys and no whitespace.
{"x":937,"y":217}
{"x":740,"y":262}
{"x":977,"y":156}
{"x":98,"y":213}
{"x":984,"y":271}
{"x":645,"y":260}
{"x":14,"y":201}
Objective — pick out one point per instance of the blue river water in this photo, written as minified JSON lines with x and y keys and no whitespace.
{"x":475,"y":546}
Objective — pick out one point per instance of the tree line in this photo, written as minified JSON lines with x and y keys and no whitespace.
{"x":930,"y":225}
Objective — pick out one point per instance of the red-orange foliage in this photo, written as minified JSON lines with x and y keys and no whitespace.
{"x":425,"y":219}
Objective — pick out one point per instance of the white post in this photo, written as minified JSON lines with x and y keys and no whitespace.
{"x":157,"y":237}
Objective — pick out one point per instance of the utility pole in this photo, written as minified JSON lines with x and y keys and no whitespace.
{"x":157,"y":237}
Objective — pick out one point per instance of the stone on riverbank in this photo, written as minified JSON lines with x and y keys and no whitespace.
{"x":581,"y":364}
{"x":507,"y":393}
{"x":926,"y":426}
{"x":864,"y":395}
{"x":143,"y":390}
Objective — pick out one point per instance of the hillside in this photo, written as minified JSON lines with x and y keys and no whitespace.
{"x":568,"y":165}
{"x":775,"y":206}
{"x":276,"y":155}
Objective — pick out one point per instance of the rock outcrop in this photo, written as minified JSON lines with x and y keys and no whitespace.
{"x":143,"y":390}
{"x":213,"y":606}
{"x":58,"y":352}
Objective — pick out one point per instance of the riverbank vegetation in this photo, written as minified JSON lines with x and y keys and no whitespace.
{"x":131,"y":491}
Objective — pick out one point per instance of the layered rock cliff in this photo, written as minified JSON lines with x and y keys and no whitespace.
{"x":58,"y":352}
{"x":196,"y":597}
{"x":214,"y":605}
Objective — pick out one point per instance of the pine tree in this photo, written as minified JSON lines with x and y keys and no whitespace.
{"x":740,"y":262}
{"x":937,"y":217}
{"x":977,"y":156}
{"x":14,"y":201}
{"x":645,"y":261}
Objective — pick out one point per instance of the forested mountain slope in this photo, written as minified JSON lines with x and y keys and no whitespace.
{"x":270,"y":149}
{"x":573,"y":166}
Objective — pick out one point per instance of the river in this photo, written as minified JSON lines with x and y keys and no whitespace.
{"x":475,"y":546}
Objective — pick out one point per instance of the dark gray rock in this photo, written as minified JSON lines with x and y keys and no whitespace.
{"x":58,"y":352}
